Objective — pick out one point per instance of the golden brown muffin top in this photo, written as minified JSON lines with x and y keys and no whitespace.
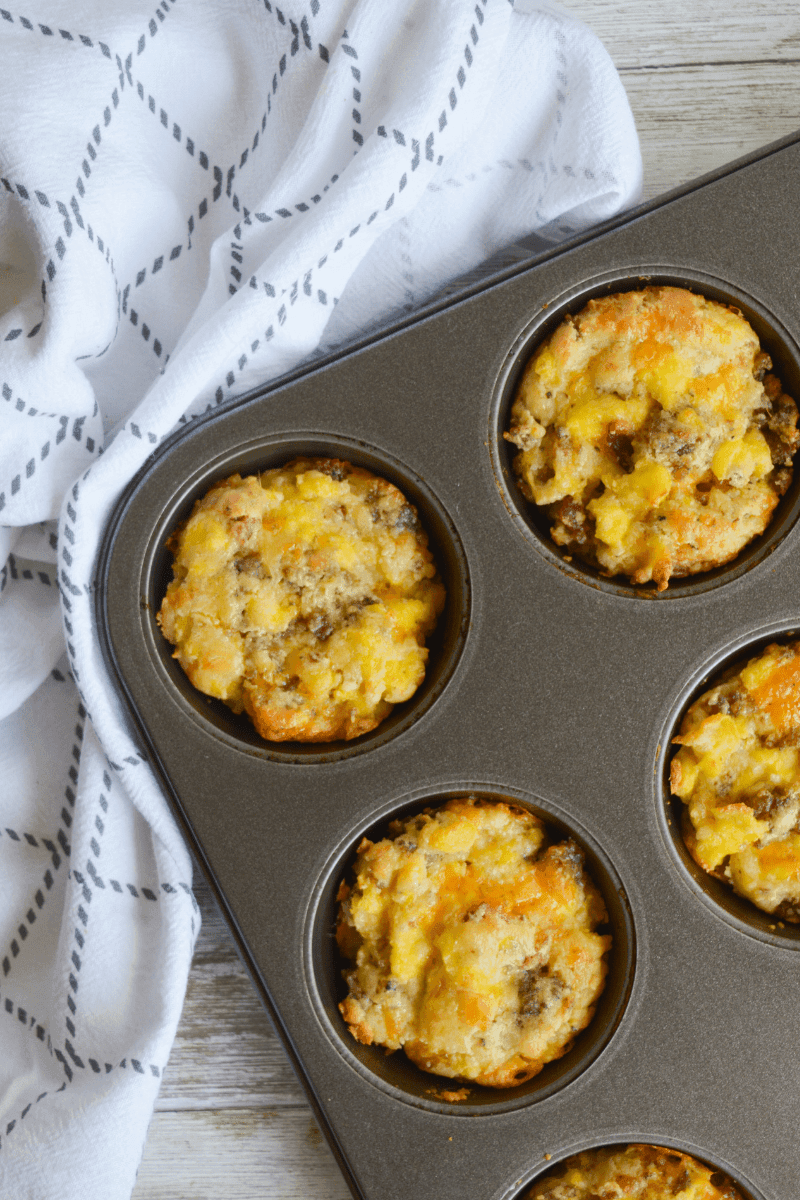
{"x":738,"y":773}
{"x":633,"y":1172}
{"x":653,"y":434}
{"x":304,"y":596}
{"x":474,"y":942}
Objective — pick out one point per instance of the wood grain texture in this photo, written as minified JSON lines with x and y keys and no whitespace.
{"x":692,"y":120}
{"x":238,"y":1154}
{"x":226,"y":1053}
{"x":640,"y":33}
{"x":707,"y":82}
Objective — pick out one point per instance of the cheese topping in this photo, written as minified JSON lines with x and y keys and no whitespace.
{"x":652,"y":434}
{"x":738,"y":773}
{"x":303,"y":596}
{"x":474,"y":943}
{"x":634,"y":1173}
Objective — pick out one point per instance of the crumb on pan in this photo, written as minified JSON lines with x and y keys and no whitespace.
{"x":653,"y":432}
{"x":450,"y":1095}
{"x":474,"y":943}
{"x":303,"y":596}
{"x":634,"y":1172}
{"x":738,"y":773}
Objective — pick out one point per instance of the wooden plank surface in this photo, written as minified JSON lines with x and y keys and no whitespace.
{"x":226,"y":1054}
{"x":692,"y":120}
{"x":238,"y":1154}
{"x":643,"y":34}
{"x":707,"y":82}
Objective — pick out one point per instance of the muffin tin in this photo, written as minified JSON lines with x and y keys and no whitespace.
{"x":548,"y":685}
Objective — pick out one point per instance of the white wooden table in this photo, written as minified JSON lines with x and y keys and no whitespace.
{"x":706,"y":85}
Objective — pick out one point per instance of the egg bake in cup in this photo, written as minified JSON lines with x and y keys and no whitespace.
{"x":473,"y":941}
{"x":653,"y":432}
{"x":738,"y":774}
{"x":634,"y":1172}
{"x":303,"y":596}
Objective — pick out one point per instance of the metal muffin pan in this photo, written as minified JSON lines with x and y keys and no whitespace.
{"x":548,"y":685}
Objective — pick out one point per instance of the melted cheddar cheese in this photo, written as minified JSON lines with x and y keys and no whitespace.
{"x":738,"y":773}
{"x":648,"y":430}
{"x":475,"y":944}
{"x":303,"y":596}
{"x":633,"y":1173}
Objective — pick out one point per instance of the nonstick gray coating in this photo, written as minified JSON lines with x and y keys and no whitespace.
{"x":550,"y":686}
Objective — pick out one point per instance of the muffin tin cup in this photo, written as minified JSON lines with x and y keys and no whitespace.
{"x":635,"y":1137}
{"x":534,"y":523}
{"x":720,"y":897}
{"x":444,"y":645}
{"x":549,"y":686}
{"x":395,"y":1074}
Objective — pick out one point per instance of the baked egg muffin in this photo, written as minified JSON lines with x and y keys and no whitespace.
{"x":652,"y":431}
{"x":633,"y":1173}
{"x":738,"y":773}
{"x":303,"y":596}
{"x":474,"y":943}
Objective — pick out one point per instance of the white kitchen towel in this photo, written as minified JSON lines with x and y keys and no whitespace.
{"x":195,"y":198}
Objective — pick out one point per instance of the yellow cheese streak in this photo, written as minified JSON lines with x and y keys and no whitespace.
{"x":738,"y":773}
{"x":634,"y":1172}
{"x":475,"y":944}
{"x":651,"y":432}
{"x":304,"y":596}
